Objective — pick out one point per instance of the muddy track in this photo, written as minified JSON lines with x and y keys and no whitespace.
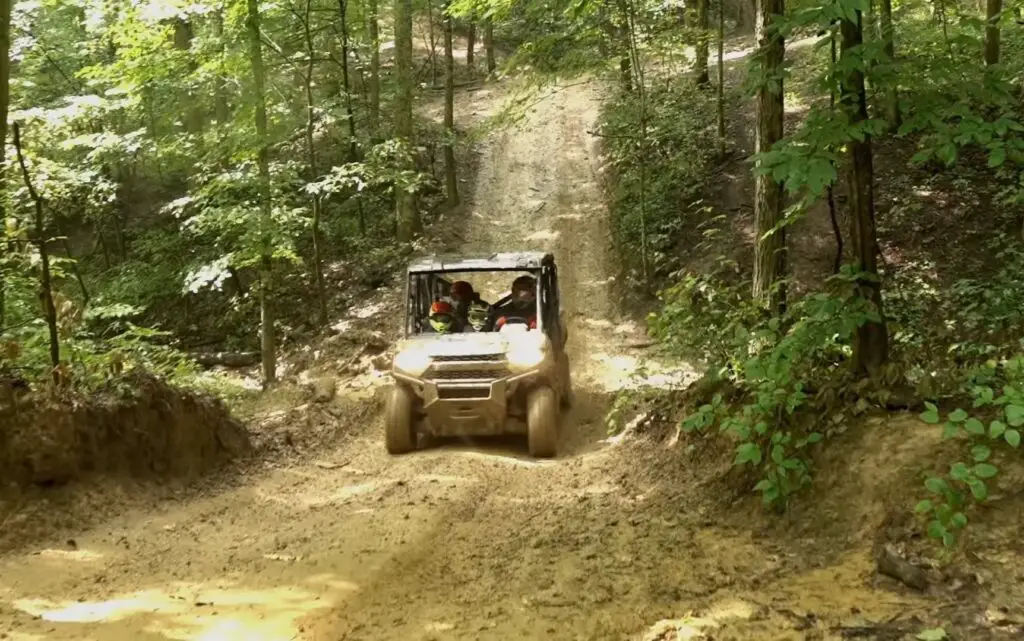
{"x":460,"y":541}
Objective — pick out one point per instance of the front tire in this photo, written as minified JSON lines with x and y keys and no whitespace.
{"x":542,"y":422}
{"x":399,"y":428}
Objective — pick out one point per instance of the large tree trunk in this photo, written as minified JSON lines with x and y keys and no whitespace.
{"x":489,"y":45}
{"x":871,"y":344}
{"x":373,"y":32}
{"x":268,"y":344}
{"x":450,"y":179}
{"x":314,"y":172}
{"x":769,"y":246}
{"x":5,"y":94}
{"x":700,"y":63}
{"x":471,"y":46}
{"x":405,"y":201}
{"x":892,"y":110}
{"x":993,"y":9}
{"x":746,"y":16}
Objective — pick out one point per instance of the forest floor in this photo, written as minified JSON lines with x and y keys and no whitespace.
{"x":477,"y":540}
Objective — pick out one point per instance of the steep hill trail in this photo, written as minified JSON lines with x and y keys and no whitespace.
{"x":460,"y":541}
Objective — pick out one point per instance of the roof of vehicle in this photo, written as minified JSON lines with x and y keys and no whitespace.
{"x":490,"y":262}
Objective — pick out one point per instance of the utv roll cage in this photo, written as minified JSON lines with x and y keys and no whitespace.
{"x":426,"y":283}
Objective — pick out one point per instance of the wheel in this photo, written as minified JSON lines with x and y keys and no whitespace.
{"x":399,"y":430}
{"x":542,"y":422}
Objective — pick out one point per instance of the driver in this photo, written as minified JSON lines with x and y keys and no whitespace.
{"x":464,"y":297}
{"x":522,"y":305}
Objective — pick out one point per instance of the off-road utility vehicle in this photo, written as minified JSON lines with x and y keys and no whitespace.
{"x":479,"y":383}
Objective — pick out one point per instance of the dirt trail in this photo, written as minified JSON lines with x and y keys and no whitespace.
{"x":455,"y":542}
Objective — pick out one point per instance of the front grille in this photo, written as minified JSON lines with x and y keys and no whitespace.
{"x":468,"y":358}
{"x":474,"y":375}
{"x":463,"y":392}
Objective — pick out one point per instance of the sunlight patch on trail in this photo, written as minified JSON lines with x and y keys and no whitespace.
{"x":617,"y":372}
{"x":194,"y":613}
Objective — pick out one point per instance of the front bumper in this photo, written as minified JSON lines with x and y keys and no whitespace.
{"x":478,"y":408}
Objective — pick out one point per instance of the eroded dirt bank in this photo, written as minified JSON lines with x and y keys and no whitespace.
{"x":464,"y":541}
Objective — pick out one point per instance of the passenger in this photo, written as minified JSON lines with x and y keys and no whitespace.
{"x":464,"y":298}
{"x":521,"y":306}
{"x":477,"y":316}
{"x":442,"y":319}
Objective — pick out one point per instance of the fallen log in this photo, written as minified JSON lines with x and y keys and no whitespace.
{"x":227,"y":359}
{"x":892,"y":564}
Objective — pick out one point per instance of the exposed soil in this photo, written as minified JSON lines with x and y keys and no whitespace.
{"x":471,"y":540}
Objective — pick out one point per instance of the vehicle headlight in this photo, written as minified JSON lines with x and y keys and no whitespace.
{"x":525,"y":356}
{"x":413,"y":362}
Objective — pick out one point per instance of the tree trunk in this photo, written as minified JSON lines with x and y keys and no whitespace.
{"x":769,"y":245}
{"x":892,"y":110}
{"x":433,"y":42}
{"x":353,"y":147}
{"x":5,"y":94}
{"x":993,"y":10}
{"x":746,"y":16}
{"x":46,"y":287}
{"x":268,"y":344}
{"x":314,"y":172}
{"x":450,"y":179}
{"x":471,"y":47}
{"x":405,"y":201}
{"x":700,"y":63}
{"x":373,"y":32}
{"x":191,"y":106}
{"x":721,"y":76}
{"x":221,"y":110}
{"x":871,"y":344}
{"x":489,"y":45}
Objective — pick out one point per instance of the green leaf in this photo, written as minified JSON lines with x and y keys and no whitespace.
{"x":985,"y":470}
{"x":936,"y":530}
{"x":932,"y":634}
{"x":997,"y":156}
{"x":979,"y":490}
{"x":959,"y":472}
{"x":935,"y":485}
{"x":958,"y":416}
{"x":950,"y":430}
{"x":1012,"y":437}
{"x":930,"y":416}
{"x":1015,"y":415}
{"x":747,"y":453}
{"x":923,"y":506}
{"x":958,"y":521}
{"x":815,"y":437}
{"x":996,"y":429}
{"x":778,"y":454}
{"x":948,"y":539}
{"x":974,"y":426}
{"x":981,"y":453}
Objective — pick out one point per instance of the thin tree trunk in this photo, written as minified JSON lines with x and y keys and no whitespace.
{"x":830,"y":190}
{"x":373,"y":32}
{"x":770,"y":240}
{"x":471,"y":47}
{"x":433,"y":43}
{"x":44,"y":259}
{"x":314,"y":172}
{"x":721,"y":75}
{"x":5,"y":94}
{"x":700,"y":63}
{"x":268,"y":344}
{"x":450,"y":178}
{"x":892,"y":109}
{"x":221,"y":110}
{"x":993,"y":10}
{"x":489,"y":45}
{"x":191,"y":107}
{"x":871,"y":343}
{"x":408,"y":220}
{"x":353,"y":140}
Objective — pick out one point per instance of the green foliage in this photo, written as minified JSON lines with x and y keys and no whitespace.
{"x":658,"y":180}
{"x":772,"y":363}
{"x":994,"y":423}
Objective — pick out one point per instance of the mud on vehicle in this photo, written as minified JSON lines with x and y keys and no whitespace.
{"x":480,"y":383}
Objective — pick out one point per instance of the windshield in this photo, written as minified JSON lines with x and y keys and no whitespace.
{"x":458,"y":302}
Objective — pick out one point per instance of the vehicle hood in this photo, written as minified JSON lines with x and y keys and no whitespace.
{"x":468,"y":344}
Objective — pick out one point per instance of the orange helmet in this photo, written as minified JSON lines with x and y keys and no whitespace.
{"x":441,"y":308}
{"x":461,"y":289}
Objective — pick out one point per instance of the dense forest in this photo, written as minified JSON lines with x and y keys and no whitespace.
{"x":818,"y":204}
